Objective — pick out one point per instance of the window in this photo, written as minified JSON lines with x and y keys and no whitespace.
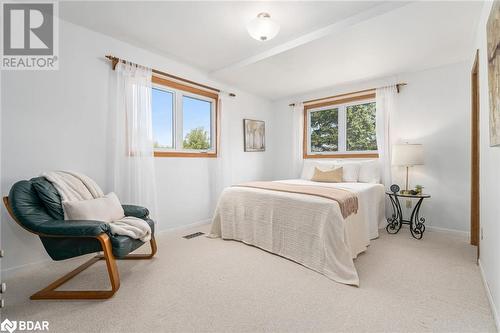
{"x":324,"y":130}
{"x":341,"y":128}
{"x":162,"y":104}
{"x":360,"y":127}
{"x":196,"y":115}
{"x":184,"y":120}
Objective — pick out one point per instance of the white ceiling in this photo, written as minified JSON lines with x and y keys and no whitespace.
{"x":320,"y":44}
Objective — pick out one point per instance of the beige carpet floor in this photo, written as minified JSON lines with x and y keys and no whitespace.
{"x":207,"y":285}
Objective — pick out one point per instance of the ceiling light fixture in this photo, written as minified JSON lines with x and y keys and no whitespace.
{"x":263,"y":28}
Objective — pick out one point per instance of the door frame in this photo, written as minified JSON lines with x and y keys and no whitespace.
{"x":475,"y":161}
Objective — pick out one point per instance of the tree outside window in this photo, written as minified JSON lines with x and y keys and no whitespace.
{"x":325,"y":130}
{"x":361,"y":134}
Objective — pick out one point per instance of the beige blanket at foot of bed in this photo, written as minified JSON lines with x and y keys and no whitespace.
{"x":348,"y":201}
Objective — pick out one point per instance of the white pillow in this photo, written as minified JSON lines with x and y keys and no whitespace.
{"x":309,"y":166}
{"x":351,"y":171}
{"x":105,"y":209}
{"x":369,"y":172}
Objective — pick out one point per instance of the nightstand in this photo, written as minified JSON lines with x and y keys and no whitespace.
{"x":396,"y":221}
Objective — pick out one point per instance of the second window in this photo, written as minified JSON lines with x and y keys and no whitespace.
{"x":341,"y":129}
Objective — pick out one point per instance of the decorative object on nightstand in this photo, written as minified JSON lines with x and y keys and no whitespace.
{"x":407,"y":155}
{"x":395,"y":188}
{"x":396,"y":221}
{"x":419,"y":189}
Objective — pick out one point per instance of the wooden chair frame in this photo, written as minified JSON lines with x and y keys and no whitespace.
{"x":49,"y":292}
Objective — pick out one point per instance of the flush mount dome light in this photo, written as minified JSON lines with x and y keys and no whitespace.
{"x":263,"y":28}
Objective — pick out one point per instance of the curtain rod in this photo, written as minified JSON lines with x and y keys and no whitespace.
{"x":115,"y":61}
{"x":398,"y":85}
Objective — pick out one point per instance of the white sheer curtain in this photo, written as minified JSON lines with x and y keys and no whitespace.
{"x":220,"y":169}
{"x":386,"y":105}
{"x":297,"y":134}
{"x":132,"y":161}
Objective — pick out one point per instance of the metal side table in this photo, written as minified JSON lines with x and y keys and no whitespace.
{"x":396,"y":221}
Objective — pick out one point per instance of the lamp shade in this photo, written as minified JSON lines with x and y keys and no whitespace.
{"x":263,"y":28}
{"x":407,"y":154}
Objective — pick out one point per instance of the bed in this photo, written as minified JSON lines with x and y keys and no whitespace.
{"x":307,"y":229}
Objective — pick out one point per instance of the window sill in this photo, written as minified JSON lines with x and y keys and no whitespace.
{"x":340,"y":155}
{"x":184,"y":154}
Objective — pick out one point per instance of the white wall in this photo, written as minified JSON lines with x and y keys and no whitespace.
{"x":58,"y":119}
{"x":489,"y":175}
{"x":434,"y":109}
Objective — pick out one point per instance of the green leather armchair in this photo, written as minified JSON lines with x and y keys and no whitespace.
{"x":36,"y":206}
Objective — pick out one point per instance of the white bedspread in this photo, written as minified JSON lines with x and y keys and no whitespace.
{"x":371,"y":210}
{"x":307,"y":229}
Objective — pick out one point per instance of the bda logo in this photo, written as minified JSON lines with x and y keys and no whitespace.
{"x":24,"y":325}
{"x":8,"y":325}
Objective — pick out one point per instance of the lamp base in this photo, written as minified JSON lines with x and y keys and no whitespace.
{"x":405,"y":191}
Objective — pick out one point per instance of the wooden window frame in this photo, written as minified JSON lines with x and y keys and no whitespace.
{"x":161,"y":81}
{"x":334,"y":101}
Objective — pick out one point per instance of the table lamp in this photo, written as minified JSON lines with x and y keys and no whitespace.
{"x":407,"y":155}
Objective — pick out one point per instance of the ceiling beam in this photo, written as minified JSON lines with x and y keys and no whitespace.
{"x":317,"y":34}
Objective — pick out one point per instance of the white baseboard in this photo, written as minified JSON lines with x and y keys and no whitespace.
{"x":460,"y":233}
{"x":12,"y":271}
{"x":490,"y":297}
{"x":187,"y":226}
{"x":457,"y":233}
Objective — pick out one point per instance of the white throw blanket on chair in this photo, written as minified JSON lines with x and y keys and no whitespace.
{"x":73,"y":186}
